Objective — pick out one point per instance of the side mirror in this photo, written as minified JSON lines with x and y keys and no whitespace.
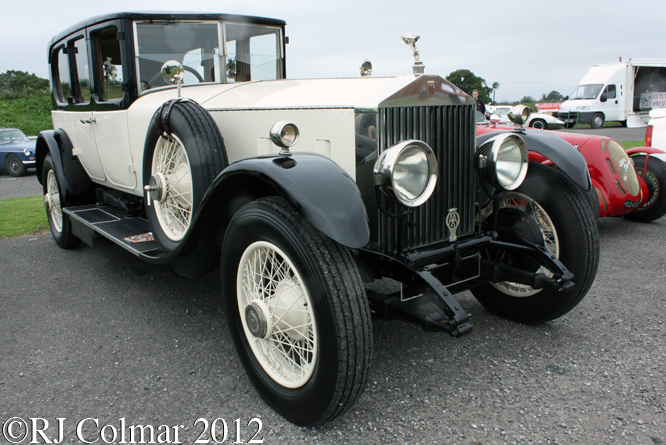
{"x":366,"y":69}
{"x":172,"y":72}
{"x":603,"y":97}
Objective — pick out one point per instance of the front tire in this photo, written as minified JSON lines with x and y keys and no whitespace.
{"x":569,"y":230}
{"x":597,"y":120}
{"x":297,"y":312}
{"x":655,"y":179}
{"x":15,"y":166}
{"x":61,"y":226}
{"x":539,"y":124}
{"x":181,"y":167}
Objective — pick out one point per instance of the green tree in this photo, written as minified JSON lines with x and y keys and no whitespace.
{"x":527,"y":100}
{"x":467,"y":81}
{"x":555,"y":96}
{"x":25,"y":102}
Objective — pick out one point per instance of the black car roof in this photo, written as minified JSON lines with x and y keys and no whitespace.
{"x":162,"y":15}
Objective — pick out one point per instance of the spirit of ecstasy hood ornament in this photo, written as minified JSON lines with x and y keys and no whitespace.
{"x":410,"y":39}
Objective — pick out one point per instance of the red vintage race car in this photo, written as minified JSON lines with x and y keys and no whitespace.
{"x":629,"y":183}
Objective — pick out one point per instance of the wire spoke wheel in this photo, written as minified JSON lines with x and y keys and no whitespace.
{"x":61,"y":227}
{"x":174,"y":208}
{"x":296,"y":310}
{"x":547,"y":228}
{"x":549,"y":210}
{"x":270,"y":288}
{"x":52,"y":200}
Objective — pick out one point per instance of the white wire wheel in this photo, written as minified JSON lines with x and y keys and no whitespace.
{"x":172,"y":165}
{"x":276,"y":313}
{"x":531,"y":208}
{"x":52,"y":200}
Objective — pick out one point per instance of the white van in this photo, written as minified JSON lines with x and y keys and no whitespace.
{"x":617,"y":92}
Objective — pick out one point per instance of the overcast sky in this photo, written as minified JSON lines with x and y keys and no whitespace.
{"x":529,"y":47}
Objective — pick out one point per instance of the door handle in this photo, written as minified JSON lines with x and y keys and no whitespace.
{"x":88,"y":121}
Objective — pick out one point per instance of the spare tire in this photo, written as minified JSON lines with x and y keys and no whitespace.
{"x":179,"y":166}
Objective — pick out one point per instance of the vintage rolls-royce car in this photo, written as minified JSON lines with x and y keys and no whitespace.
{"x":179,"y":138}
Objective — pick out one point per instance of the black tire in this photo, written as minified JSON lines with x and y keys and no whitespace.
{"x":15,"y":166}
{"x":334,"y":377}
{"x":593,"y":199}
{"x":539,"y":124}
{"x":597,"y":120}
{"x":655,"y":179}
{"x":61,"y":226}
{"x":195,"y":131}
{"x":577,"y":235}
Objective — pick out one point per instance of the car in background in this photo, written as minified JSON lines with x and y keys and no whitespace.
{"x":536,"y":120}
{"x":655,"y":133}
{"x":17,"y":152}
{"x":633,"y":187}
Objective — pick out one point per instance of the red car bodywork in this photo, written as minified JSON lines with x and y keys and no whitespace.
{"x":619,"y":189}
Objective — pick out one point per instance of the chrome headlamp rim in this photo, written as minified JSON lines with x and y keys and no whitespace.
{"x":384,"y":170}
{"x":489,"y":156}
{"x":519,"y":114}
{"x":278,"y":135}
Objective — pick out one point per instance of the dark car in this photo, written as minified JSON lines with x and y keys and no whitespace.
{"x":17,"y":152}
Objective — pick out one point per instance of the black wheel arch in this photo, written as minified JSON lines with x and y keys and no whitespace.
{"x":314,"y":185}
{"x":556,"y":149}
{"x":72,"y":177}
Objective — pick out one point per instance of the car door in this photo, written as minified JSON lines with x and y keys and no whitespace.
{"x":109,"y":70}
{"x":73,"y":113}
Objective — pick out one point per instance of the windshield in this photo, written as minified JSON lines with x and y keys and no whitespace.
{"x":586,"y":91}
{"x":12,"y":136}
{"x":252,"y":52}
{"x":502,"y":111}
{"x":480,"y":118}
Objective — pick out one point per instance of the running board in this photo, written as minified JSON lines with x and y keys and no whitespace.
{"x":129,"y":232}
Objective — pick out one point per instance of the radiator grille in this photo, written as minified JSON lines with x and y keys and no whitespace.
{"x":449,"y":130}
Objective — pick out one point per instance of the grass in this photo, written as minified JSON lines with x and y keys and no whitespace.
{"x":631,"y":144}
{"x":21,"y":216}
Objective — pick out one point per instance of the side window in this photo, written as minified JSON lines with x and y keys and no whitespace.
{"x":610,"y":91}
{"x":252,"y":53}
{"x":108,"y":66}
{"x":60,"y":71}
{"x":82,"y":71}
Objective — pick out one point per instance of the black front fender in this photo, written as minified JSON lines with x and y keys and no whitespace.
{"x":316,"y":186}
{"x":556,"y":149}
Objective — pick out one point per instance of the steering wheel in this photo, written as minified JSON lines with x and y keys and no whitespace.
{"x":153,"y":82}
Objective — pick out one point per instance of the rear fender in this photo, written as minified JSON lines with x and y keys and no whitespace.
{"x":552,"y":147}
{"x":72,"y":177}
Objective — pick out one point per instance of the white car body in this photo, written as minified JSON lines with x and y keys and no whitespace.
{"x":551,"y":123}
{"x":658,"y":124}
{"x":244,"y":114}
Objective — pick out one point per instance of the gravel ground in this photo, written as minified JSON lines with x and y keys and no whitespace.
{"x":96,"y":333}
{"x":11,"y":187}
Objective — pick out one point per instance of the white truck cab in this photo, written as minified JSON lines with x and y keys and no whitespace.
{"x":618,"y":92}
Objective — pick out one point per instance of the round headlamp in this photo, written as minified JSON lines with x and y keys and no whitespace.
{"x":408,"y":172}
{"x":519,"y":114}
{"x":284,"y":134}
{"x":27,"y":152}
{"x":503,"y":161}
